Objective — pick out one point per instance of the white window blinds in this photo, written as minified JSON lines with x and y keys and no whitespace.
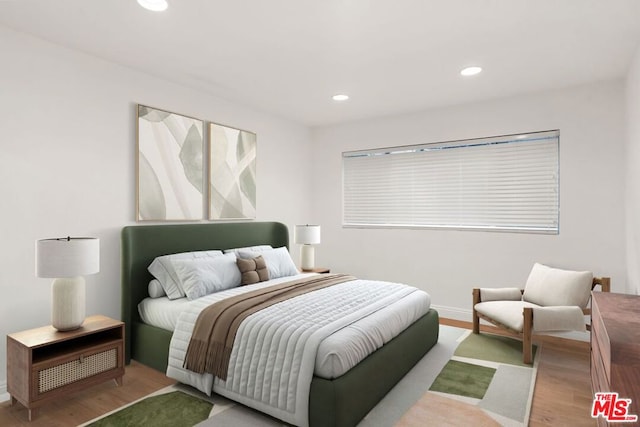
{"x":507,"y":183}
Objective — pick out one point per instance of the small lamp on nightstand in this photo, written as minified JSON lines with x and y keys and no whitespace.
{"x":66,"y":260}
{"x":307,"y":236}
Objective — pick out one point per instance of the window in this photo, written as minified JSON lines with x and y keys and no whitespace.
{"x":506,"y":183}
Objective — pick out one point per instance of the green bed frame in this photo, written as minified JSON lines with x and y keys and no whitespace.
{"x":340,"y":402}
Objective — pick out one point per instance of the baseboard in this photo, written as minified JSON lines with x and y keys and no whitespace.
{"x":3,"y":391}
{"x":454,"y":313}
{"x":466,"y":315}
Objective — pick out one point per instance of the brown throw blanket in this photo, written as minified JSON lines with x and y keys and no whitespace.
{"x":215,"y":329}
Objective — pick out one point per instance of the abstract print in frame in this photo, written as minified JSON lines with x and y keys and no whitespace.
{"x":232,"y":173}
{"x":170,"y":166}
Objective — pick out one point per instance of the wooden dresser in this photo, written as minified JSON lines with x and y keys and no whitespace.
{"x":615,"y":347}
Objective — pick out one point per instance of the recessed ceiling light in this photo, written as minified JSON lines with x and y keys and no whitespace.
{"x":154,"y":5}
{"x":340,"y":97}
{"x":470,"y":71}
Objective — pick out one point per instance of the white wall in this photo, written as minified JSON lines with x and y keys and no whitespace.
{"x":448,"y":264}
{"x":632,"y":191}
{"x":67,"y":166}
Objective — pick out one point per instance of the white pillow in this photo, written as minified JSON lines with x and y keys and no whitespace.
{"x":162,"y":269}
{"x":548,"y":286}
{"x":279,"y":262}
{"x":155,"y":289}
{"x":203,"y":276}
{"x":259,"y":248}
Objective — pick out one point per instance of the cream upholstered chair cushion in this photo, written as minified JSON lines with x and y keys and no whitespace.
{"x":558,"y":318}
{"x":500,"y":294}
{"x":547,"y":286}
{"x":508,"y":313}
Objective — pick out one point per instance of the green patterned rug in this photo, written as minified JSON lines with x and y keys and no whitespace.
{"x":179,"y":405}
{"x":503,"y":356}
{"x":486,"y":371}
{"x":172,"y":409}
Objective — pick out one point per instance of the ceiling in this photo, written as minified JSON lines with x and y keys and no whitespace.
{"x":288,"y":57}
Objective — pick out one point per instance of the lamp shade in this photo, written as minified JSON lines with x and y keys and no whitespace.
{"x":67,"y":257}
{"x":307,"y":234}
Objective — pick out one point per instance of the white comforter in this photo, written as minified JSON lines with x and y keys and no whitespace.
{"x":274,"y":354}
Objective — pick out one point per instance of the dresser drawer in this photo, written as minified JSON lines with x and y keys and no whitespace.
{"x":599,"y":381}
{"x":600,"y":360}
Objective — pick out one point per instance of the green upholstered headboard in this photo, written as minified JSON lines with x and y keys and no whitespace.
{"x":142,"y":243}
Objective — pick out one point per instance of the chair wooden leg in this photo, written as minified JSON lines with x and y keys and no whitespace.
{"x":527,"y":331}
{"x":476,"y":323}
{"x":476,"y":319}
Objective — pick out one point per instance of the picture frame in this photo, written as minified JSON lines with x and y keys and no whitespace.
{"x":232,"y":173}
{"x":170,"y":169}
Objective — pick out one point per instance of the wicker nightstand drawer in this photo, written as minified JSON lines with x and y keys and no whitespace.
{"x":80,"y":366}
{"x":44,"y":364}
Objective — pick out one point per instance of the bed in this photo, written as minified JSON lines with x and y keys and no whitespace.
{"x":342,"y":401}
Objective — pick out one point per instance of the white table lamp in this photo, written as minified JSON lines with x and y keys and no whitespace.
{"x":307,"y":236}
{"x":66,"y":260}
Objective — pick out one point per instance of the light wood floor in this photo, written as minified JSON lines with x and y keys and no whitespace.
{"x":81,"y":407}
{"x":562,"y":394}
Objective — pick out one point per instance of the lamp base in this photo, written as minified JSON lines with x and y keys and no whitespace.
{"x":68,"y":303}
{"x":307,"y":255}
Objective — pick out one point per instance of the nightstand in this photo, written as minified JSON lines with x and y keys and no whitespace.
{"x":317,"y":270}
{"x":44,"y":364}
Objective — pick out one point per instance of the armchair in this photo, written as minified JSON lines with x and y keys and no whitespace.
{"x":552,"y":300}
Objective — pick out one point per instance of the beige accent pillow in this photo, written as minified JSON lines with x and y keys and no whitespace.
{"x":253,"y":270}
{"x":548,"y":286}
{"x":279,"y":262}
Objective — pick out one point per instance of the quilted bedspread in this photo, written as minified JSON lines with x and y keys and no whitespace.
{"x":273,"y":357}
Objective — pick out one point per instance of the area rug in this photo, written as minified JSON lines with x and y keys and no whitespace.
{"x":173,"y":408}
{"x":395,"y":409}
{"x":182,"y":406}
{"x":485,"y":382}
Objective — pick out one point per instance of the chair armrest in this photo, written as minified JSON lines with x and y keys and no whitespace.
{"x":603,"y":282}
{"x":500,"y":294}
{"x":558,"y":318}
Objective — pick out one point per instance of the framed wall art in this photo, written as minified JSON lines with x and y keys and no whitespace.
{"x":232,"y":173}
{"x":170,"y":178}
